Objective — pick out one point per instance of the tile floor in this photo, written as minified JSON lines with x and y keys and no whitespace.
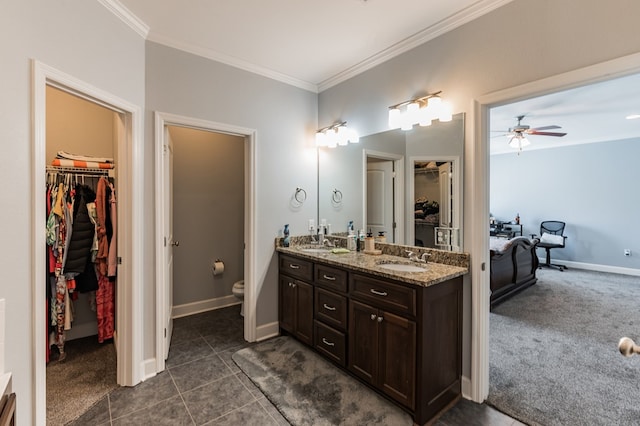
{"x":203,"y":386}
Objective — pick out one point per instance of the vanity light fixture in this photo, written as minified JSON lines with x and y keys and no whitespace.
{"x":336,"y":134}
{"x":420,"y":111}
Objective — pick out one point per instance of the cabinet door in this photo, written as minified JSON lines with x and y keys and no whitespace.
{"x":304,"y":312}
{"x":397,"y":358}
{"x":287,"y":303}
{"x":363,"y":341}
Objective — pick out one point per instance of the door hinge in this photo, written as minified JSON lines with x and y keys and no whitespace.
{"x":165,"y":241}
{"x":165,"y":333}
{"x":483,"y":266}
{"x":119,"y":260}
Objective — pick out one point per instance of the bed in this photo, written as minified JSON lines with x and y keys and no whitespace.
{"x":513,"y":266}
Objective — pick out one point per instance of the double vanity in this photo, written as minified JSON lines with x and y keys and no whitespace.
{"x":394,"y":323}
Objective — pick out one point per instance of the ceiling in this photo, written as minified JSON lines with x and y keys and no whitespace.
{"x":592,"y":113}
{"x":318,"y":44}
{"x":308,"y":43}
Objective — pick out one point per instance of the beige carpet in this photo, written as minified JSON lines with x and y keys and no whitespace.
{"x":86,"y":375}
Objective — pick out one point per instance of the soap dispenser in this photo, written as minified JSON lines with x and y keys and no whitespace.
{"x":369,"y":242}
{"x":286,"y":235}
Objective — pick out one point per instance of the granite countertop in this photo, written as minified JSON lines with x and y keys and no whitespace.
{"x":370,"y":264}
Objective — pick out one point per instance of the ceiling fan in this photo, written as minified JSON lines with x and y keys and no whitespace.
{"x":517,"y":134}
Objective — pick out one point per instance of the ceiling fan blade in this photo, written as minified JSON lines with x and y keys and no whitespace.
{"x":545,"y":133}
{"x":546,"y":127}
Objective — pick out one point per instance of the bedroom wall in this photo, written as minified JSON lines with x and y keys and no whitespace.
{"x":590,"y":187}
{"x":518,"y":43}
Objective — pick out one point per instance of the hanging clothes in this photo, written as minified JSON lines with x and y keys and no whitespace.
{"x":81,"y":254}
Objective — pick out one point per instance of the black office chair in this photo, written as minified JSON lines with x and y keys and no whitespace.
{"x":554,"y":238}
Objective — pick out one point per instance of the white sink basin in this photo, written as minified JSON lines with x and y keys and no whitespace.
{"x":402,"y":267}
{"x":314,"y":249}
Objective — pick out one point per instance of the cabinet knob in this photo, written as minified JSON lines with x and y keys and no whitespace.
{"x":373,"y":317}
{"x":380,"y":319}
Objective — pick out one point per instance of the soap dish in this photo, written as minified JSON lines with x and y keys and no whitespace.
{"x":372,"y":251}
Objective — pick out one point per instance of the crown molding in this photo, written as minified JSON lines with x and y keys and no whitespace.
{"x":233,"y":61}
{"x":126,"y":16}
{"x":474,"y":11}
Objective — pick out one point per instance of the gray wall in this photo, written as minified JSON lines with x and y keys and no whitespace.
{"x":208,"y":213}
{"x":285,"y":120}
{"x":87,"y":41}
{"x":590,"y":187}
{"x":520,"y":42}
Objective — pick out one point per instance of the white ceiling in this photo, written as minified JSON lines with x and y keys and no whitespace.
{"x":592,"y":113}
{"x":316,"y":44}
{"x":313,"y":44}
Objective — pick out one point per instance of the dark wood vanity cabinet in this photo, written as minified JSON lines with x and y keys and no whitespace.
{"x":403,"y":340}
{"x":382,"y":351}
{"x":295,"y":307}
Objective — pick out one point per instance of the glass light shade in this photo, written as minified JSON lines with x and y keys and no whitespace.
{"x":332,"y":138}
{"x":424,"y":116}
{"x":413,"y":112}
{"x":394,"y":118}
{"x":343,"y":135}
{"x":434,"y":105}
{"x":446,"y":112}
{"x":321,"y":139}
{"x":353,"y":136}
{"x":518,"y":142}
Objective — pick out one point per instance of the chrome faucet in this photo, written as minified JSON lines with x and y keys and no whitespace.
{"x":321,"y":238}
{"x":327,"y":242}
{"x":414,"y":257}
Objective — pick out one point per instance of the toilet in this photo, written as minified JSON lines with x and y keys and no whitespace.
{"x":238,"y":291}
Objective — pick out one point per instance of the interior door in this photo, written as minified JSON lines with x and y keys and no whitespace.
{"x":169,"y":243}
{"x":380,"y":197}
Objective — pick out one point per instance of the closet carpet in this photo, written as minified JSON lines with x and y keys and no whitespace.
{"x":86,"y":375}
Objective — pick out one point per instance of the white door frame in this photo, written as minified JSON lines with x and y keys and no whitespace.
{"x":398,"y":188}
{"x":129,"y":313}
{"x":458,"y":195}
{"x":479,"y":168}
{"x":162,"y":120}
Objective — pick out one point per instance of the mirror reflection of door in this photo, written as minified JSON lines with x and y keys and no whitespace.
{"x":380,"y":197}
{"x":433,"y":200}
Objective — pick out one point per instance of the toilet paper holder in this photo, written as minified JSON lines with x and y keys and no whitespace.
{"x":217,"y":267}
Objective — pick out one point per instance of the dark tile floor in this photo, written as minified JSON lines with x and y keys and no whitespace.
{"x":203,"y":386}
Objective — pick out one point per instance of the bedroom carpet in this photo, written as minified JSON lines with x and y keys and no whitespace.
{"x":553,"y":350}
{"x":309,"y":390}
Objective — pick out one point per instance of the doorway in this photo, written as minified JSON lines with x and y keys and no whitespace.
{"x":166,"y":245}
{"x":128,"y":134}
{"x":479,"y":387}
{"x":384,"y":195}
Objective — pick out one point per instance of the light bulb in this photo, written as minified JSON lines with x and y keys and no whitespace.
{"x":424,"y":116}
{"x":321,"y":139}
{"x":446,"y":111}
{"x":343,"y":135}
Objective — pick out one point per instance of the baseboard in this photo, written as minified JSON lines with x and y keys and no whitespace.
{"x":595,"y":267}
{"x":148,"y":369}
{"x":203,"y":306}
{"x":267,"y":331}
{"x":465,"y":385}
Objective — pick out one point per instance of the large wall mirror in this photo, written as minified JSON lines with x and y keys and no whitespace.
{"x":404,"y":184}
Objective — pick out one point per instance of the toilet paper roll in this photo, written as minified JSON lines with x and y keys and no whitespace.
{"x":217,"y":267}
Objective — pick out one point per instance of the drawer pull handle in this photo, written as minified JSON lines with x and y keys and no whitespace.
{"x":328,"y":308}
{"x":378,"y":293}
{"x":293,"y":266}
{"x":328,"y":277}
{"x":328,"y":343}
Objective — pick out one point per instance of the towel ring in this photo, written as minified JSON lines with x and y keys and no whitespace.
{"x":336,"y":196}
{"x":300,"y":195}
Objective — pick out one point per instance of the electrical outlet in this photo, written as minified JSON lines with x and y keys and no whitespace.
{"x":627,"y":252}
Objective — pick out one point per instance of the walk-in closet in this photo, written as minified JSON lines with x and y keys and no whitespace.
{"x":81,"y":253}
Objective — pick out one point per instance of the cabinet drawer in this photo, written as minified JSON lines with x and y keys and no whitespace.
{"x":331,"y":343}
{"x":296,"y":268}
{"x":331,"y":308}
{"x":383,"y":294}
{"x":332,"y":278}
